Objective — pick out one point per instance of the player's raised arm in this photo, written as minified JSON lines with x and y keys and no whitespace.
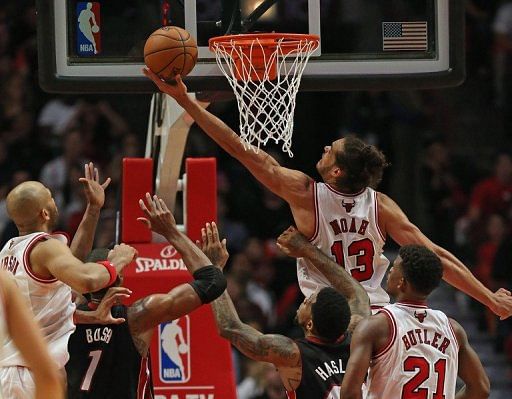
{"x":293,"y":186}
{"x":209,"y":281}
{"x":277,"y":349}
{"x":395,"y":223}
{"x":294,"y":244}
{"x":94,"y":192}
{"x":53,"y":259}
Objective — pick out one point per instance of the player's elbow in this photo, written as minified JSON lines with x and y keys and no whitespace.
{"x":87,"y":283}
{"x":483,"y":387}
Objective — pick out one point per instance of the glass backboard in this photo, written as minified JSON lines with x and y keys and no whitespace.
{"x":365,"y":44}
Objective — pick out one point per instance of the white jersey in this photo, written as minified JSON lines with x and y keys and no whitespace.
{"x":346,"y":227}
{"x":422,"y":355}
{"x":3,"y":327}
{"x":49,"y":300}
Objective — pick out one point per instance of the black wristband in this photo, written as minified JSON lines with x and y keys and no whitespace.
{"x":209,"y":283}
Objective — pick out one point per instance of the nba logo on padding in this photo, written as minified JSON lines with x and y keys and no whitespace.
{"x":88,"y":28}
{"x":174,"y":350}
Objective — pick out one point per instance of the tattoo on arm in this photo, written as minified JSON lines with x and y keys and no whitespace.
{"x":136,"y":318}
{"x":342,"y":281}
{"x":277,"y":349}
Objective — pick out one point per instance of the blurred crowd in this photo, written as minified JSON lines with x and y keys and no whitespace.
{"x":449,"y":149}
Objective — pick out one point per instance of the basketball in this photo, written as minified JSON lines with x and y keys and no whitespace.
{"x":95,"y":29}
{"x":170,"y":51}
{"x":183,"y":348}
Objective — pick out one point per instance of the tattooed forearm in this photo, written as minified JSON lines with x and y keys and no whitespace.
{"x":136,"y":316}
{"x":341,"y":280}
{"x":276,"y":349}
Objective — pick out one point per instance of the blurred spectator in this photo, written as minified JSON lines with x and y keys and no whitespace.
{"x":442,"y":195}
{"x":479,"y":14}
{"x":486,"y":255}
{"x":494,"y":194}
{"x":56,"y":116}
{"x":54,"y":174}
{"x":254,"y":383}
{"x":273,"y":387}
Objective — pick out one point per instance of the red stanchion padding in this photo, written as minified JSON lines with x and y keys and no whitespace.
{"x":189,"y":360}
{"x":137,"y":181}
{"x":201,"y":194}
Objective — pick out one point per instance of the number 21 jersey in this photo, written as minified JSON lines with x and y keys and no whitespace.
{"x":421,"y":357}
{"x":346,"y":228}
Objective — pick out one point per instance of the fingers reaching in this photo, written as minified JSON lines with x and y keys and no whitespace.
{"x":106,"y":183}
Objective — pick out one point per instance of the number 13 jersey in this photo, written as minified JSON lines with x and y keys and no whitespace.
{"x":346,"y":228}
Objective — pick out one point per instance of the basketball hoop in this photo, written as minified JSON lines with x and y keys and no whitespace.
{"x":264,"y":70}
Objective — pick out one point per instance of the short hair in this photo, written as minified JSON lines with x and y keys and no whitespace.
{"x":421,"y":267}
{"x":330,"y":314}
{"x":363,"y":165}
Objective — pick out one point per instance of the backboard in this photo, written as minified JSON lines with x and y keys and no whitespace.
{"x":97,"y":46}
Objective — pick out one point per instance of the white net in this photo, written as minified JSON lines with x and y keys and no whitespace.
{"x":265,"y":78}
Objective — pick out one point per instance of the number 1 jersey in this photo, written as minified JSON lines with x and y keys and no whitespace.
{"x":346,"y":228}
{"x":105,"y":364}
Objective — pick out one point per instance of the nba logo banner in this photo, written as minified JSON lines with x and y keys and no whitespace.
{"x":174,"y":344}
{"x":88,"y":28}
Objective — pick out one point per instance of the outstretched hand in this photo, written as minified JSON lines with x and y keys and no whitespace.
{"x":503,"y":303}
{"x":158,"y":217}
{"x":212,"y":246}
{"x":113,"y":297}
{"x":292,"y":242}
{"x":93,"y":189}
{"x":175,"y":90}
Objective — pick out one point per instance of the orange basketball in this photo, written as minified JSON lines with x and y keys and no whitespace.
{"x":170,"y":51}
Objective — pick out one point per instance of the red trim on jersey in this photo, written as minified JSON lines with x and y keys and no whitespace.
{"x":26,"y":259}
{"x":61,"y":236}
{"x":318,"y":341}
{"x":375,"y":307}
{"x":291,"y":394}
{"x":392,"y":331}
{"x":315,"y":206}
{"x":413,"y":304}
{"x":344,"y":194}
{"x":376,"y":206}
{"x":453,"y":333}
{"x":143,"y":390}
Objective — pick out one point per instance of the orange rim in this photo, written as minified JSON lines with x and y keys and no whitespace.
{"x":286,"y":40}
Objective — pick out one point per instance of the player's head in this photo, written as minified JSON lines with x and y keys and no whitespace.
{"x":89,"y":6}
{"x":32,"y":208}
{"x":416,"y":272}
{"x":325,"y":314}
{"x":98,"y":255}
{"x":350,"y":164}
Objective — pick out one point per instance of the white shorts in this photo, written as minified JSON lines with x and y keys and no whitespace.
{"x":17,"y":383}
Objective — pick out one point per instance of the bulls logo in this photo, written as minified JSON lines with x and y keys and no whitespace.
{"x":420,"y":316}
{"x":348,"y":205}
{"x":174,"y":344}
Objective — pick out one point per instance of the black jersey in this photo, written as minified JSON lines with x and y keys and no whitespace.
{"x":105,"y":364}
{"x":323,"y":368}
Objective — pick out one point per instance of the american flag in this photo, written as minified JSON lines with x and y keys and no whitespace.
{"x":399,"y":36}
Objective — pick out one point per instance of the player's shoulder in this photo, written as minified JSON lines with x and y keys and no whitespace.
{"x":458,"y":330}
{"x":375,"y":325}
